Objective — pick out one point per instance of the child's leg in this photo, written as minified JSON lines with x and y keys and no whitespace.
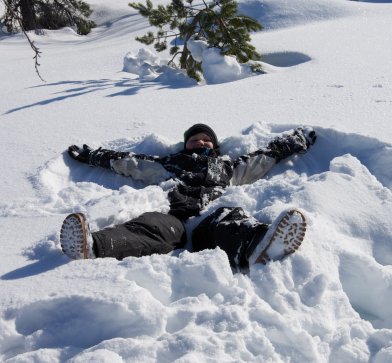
{"x":231,"y":230}
{"x":147,"y":234}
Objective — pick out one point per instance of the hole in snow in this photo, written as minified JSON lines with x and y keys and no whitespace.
{"x":285,"y":59}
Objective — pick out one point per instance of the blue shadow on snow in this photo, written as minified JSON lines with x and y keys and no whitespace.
{"x":47,"y":255}
{"x":126,"y":86}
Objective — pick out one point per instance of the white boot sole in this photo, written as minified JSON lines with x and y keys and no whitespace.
{"x":73,"y":237}
{"x":283,"y":238}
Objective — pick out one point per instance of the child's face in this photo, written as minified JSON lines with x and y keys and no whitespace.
{"x":198,"y":141}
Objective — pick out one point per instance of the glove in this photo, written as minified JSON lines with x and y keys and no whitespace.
{"x":80,"y":154}
{"x":310,"y":135}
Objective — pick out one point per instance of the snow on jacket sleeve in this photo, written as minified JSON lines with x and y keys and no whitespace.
{"x":251,"y":167}
{"x":146,"y":169}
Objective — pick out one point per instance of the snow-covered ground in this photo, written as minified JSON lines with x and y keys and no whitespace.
{"x":328,"y":65}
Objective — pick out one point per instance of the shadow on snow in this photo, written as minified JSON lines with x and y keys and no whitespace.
{"x":47,"y":256}
{"x":125,"y":86}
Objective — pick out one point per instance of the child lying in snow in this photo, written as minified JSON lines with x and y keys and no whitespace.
{"x":201,"y":174}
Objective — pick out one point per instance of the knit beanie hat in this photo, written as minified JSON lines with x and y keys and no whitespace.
{"x":198,"y":128}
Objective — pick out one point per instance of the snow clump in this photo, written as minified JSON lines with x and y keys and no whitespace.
{"x":216,"y":67}
{"x":143,"y":63}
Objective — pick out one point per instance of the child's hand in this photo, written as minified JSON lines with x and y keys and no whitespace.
{"x":80,"y":154}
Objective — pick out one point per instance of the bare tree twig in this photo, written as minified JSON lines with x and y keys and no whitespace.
{"x":35,"y":49}
{"x":174,"y":56}
{"x":36,"y":56}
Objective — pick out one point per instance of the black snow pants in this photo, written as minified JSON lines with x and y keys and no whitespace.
{"x":150,"y":233}
{"x":231,"y":230}
{"x":228,"y":228}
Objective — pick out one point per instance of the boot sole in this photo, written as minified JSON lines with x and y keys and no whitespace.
{"x":287,"y":237}
{"x":73,"y":236}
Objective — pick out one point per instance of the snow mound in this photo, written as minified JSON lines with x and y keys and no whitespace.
{"x":147,"y":65}
{"x":217,"y":68}
{"x":141,"y":63}
{"x":190,"y":308}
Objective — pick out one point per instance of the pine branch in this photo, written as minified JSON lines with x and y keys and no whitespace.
{"x":223,"y":25}
{"x":216,"y":21}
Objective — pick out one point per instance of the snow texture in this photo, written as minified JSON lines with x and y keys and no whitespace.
{"x":327,"y":64}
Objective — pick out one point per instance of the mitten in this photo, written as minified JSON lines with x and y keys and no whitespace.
{"x":80,"y":154}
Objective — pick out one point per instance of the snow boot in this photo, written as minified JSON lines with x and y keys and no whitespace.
{"x":297,"y":142}
{"x":75,"y":237}
{"x":283,"y":238}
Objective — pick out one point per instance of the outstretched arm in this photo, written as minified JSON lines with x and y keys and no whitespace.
{"x":251,"y":167}
{"x":147,"y":169}
{"x":297,"y":142}
{"x":99,"y":157}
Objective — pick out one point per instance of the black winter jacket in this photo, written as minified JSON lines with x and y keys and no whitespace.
{"x":201,"y":178}
{"x":202,"y":175}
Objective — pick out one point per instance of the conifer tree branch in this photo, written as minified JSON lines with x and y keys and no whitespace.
{"x":223,"y":25}
{"x":215,"y":21}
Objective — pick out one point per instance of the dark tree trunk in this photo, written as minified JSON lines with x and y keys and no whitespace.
{"x":27,"y":13}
